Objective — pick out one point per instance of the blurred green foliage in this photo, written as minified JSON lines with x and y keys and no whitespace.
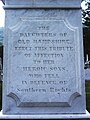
{"x":88,"y":95}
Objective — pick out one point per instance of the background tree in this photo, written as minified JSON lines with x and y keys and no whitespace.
{"x":86,"y":13}
{"x":86,"y":29}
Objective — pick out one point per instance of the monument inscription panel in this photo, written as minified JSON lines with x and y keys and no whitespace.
{"x":43,"y":58}
{"x":45,"y":62}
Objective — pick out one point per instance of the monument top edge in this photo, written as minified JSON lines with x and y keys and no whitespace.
{"x":46,"y":2}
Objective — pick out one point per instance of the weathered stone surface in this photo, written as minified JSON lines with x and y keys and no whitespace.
{"x":43,"y":70}
{"x":41,"y":3}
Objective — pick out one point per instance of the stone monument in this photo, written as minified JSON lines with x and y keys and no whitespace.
{"x":43,"y":58}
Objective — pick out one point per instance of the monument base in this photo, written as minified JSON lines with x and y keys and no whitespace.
{"x":54,"y":116}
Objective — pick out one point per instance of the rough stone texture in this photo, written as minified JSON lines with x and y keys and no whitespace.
{"x":43,"y":58}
